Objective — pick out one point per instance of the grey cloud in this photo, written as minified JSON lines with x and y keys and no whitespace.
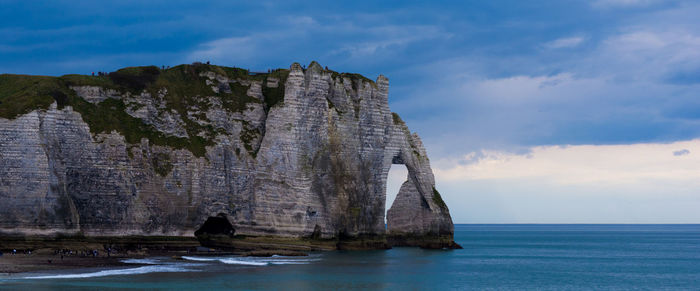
{"x":682,"y":152}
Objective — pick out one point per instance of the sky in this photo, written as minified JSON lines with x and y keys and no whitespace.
{"x":531,"y":111}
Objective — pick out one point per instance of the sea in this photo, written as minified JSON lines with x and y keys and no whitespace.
{"x":495,"y":257}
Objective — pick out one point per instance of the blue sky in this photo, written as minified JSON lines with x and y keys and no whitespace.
{"x":485,"y":83}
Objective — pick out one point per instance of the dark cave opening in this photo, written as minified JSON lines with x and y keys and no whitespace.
{"x":216,"y":225}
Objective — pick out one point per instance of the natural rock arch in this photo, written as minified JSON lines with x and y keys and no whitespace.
{"x":418,"y":216}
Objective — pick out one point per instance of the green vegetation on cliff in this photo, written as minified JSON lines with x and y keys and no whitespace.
{"x":438,"y":199}
{"x":273,"y":95}
{"x":110,"y":115}
{"x":161,"y":164}
{"x":357,"y":79}
{"x":20,"y":94}
{"x":397,"y":119}
{"x":182,"y":88}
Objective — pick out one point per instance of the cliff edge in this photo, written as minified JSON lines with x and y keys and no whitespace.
{"x":297,"y":153}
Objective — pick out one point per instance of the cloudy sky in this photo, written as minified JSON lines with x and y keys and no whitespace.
{"x":531,"y":111}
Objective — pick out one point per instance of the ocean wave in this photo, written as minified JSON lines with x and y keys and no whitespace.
{"x":117,"y":272}
{"x":226,"y":260}
{"x":289,"y":261}
{"x":141,"y":261}
{"x":255,"y":261}
{"x":200,"y":259}
{"x":233,"y":261}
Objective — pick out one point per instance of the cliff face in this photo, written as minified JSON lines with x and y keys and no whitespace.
{"x":144,"y":151}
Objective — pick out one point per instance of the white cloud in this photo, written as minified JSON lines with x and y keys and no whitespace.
{"x":495,"y":113}
{"x":351,"y":40}
{"x":257,"y":45}
{"x":516,"y":90}
{"x":637,"y":41}
{"x":233,"y":48}
{"x":566,"y":42}
{"x":632,"y":84}
{"x":632,"y":164}
{"x":648,"y":55}
{"x":665,"y":47}
{"x":301,"y":20}
{"x":634,"y":183}
{"x":390,"y":37}
{"x":624,"y":3}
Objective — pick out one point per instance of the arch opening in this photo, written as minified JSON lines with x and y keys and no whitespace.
{"x":398,"y":174}
{"x":216,"y":225}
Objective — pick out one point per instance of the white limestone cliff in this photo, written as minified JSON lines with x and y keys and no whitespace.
{"x":313,"y":164}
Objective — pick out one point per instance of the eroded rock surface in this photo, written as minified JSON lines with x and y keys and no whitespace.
{"x":311,"y":161}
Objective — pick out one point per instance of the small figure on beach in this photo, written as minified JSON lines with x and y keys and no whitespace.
{"x":14,"y":251}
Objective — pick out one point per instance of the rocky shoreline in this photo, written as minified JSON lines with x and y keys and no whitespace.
{"x":41,"y":253}
{"x":38,"y":253}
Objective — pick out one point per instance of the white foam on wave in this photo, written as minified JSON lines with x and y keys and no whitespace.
{"x":117,"y":272}
{"x":201,"y":259}
{"x":289,"y":263}
{"x":142,"y":261}
{"x":226,"y":260}
{"x":255,"y":261}
{"x":299,"y":259}
{"x":234,"y":261}
{"x":290,"y":260}
{"x":278,"y":258}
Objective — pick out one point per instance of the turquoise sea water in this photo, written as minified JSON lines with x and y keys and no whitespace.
{"x":499,"y":257}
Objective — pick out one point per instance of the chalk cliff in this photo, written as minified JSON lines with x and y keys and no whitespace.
{"x":303,"y":152}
